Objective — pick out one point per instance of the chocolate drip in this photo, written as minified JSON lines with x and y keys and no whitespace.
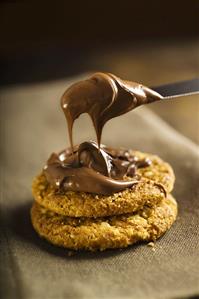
{"x":103,"y":96}
{"x":93,"y":170}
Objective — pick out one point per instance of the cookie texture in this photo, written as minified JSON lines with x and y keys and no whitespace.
{"x":154,"y":180}
{"x":147,"y":224}
{"x":159,"y":171}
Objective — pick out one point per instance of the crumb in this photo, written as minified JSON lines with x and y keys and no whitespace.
{"x":152,"y":245}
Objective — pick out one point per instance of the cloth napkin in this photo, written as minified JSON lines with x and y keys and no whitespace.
{"x":33,"y":126}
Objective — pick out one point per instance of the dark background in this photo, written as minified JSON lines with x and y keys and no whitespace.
{"x":43,"y":40}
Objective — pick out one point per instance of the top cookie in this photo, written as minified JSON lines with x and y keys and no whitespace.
{"x":149,"y":191}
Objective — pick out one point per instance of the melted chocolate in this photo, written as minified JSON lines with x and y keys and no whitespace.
{"x":93,"y":170}
{"x":89,"y":167}
{"x":103,"y":96}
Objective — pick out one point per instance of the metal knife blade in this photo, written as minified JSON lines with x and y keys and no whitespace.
{"x":178,"y":89}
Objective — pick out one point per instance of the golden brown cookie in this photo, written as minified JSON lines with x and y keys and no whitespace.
{"x":159,"y":171}
{"x":93,"y":234}
{"x":77,"y":204}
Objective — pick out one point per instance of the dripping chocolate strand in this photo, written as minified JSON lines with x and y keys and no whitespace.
{"x":103,"y":96}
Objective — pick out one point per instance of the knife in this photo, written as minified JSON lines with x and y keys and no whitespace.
{"x":178,"y":89}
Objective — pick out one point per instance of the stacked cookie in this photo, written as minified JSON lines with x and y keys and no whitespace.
{"x":79,"y":220}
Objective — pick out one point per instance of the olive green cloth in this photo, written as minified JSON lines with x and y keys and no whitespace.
{"x":32,"y":126}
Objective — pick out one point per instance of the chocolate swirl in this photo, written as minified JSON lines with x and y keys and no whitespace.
{"x":93,"y":170}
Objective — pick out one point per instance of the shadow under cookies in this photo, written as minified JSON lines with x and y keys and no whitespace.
{"x":19,"y":223}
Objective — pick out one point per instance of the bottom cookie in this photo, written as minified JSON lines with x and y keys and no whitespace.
{"x":120,"y":231}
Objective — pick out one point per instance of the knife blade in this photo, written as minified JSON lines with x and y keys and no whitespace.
{"x":178,"y":89}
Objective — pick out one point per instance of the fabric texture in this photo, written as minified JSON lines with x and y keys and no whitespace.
{"x":33,"y":126}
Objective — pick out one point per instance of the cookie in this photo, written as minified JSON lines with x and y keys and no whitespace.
{"x":120,"y":231}
{"x":159,"y":171}
{"x":148,"y":191}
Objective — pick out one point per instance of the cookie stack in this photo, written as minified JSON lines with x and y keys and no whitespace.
{"x":79,"y":220}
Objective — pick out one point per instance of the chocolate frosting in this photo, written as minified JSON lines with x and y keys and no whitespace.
{"x":93,"y":170}
{"x":91,"y":167}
